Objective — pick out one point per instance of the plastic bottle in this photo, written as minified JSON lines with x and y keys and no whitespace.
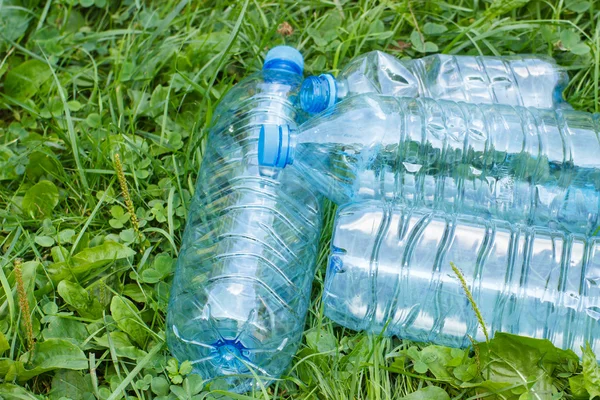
{"x":523,"y":80}
{"x":389,"y":271}
{"x":523,"y":165}
{"x":245,"y":269}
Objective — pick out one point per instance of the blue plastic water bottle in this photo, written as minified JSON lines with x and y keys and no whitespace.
{"x":523,"y":165}
{"x":521,"y":80}
{"x":389,"y":271}
{"x":245,"y":269}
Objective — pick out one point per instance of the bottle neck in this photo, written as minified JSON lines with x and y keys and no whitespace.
{"x":341,"y":86}
{"x":321,"y":162}
{"x":318,"y":93}
{"x":282,"y":65}
{"x":276,"y":145}
{"x":293,"y":141}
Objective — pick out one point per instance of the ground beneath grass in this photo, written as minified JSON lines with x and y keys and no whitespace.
{"x":85,"y":284}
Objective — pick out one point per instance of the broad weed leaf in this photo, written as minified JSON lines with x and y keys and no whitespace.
{"x":59,"y":254}
{"x":434,"y":29}
{"x":89,"y":262}
{"x":466,"y":372}
{"x":40,"y":200}
{"x":318,"y":63}
{"x":161,"y":267}
{"x":159,"y":386}
{"x":8,"y":169}
{"x":122,"y":345}
{"x":50,"y":308}
{"x":178,"y":390}
{"x":580,"y":49}
{"x":569,"y":38}
{"x":44,"y":241}
{"x":150,"y":276}
{"x":25,"y":80}
{"x":93,"y":120}
{"x":106,"y":252}
{"x":428,"y":393}
{"x":3,"y":343}
{"x":432,"y":358}
{"x":13,"y":22}
{"x":317,"y":37}
{"x":508,"y":359}
{"x":58,"y":353}
{"x":72,"y":385}
{"x":591,"y":372}
{"x":185,"y":368}
{"x":67,"y":329}
{"x":577,"y":385}
{"x":172,"y":366}
{"x":193,"y":384}
{"x":48,"y":355}
{"x":163,"y":263}
{"x":577,"y":6}
{"x":571,"y":41}
{"x":321,"y":340}
{"x":80,"y":300}
{"x":42,"y":164}
{"x":11,"y":391}
{"x":66,"y":236}
{"x":420,"y":45}
{"x":126,"y":315}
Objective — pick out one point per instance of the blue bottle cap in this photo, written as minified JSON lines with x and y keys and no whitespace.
{"x":284,"y":55}
{"x":318,"y":93}
{"x":274,"y":146}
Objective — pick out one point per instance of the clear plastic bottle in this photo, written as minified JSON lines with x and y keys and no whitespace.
{"x":389,"y":271}
{"x":523,"y":165}
{"x":245,"y":269}
{"x":523,"y":80}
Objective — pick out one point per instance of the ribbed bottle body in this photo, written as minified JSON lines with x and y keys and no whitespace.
{"x":390,"y":271}
{"x":520,"y":80}
{"x":520,"y":164}
{"x":245,"y":269}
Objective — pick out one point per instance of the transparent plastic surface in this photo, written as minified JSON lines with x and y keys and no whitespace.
{"x":389,"y":271}
{"x":246,"y":265}
{"x":523,"y":165}
{"x":520,"y":80}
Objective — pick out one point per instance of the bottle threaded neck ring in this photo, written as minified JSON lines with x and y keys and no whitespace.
{"x":274,"y":147}
{"x":317,"y":93}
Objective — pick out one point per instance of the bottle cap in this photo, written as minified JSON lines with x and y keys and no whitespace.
{"x":274,"y":146}
{"x":286,"y":55}
{"x":318,"y":93}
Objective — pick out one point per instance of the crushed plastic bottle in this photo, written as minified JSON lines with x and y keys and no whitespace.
{"x":245,"y":269}
{"x":521,"y":80}
{"x":389,"y":271}
{"x":523,"y":165}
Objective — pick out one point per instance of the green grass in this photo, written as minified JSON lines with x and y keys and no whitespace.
{"x":82,"y":81}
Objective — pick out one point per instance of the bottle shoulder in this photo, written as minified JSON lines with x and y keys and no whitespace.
{"x":274,"y":83}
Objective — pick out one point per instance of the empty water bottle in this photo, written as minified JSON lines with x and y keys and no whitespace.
{"x":245,"y":269}
{"x":523,"y":80}
{"x":389,"y":271}
{"x":523,"y":165}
